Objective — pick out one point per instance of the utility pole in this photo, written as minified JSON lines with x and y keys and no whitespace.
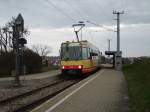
{"x":118,"y":53}
{"x":108,"y":46}
{"x":108,"y":50}
{"x":118,"y":28}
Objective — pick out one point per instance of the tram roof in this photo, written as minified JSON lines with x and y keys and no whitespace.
{"x":83,"y":43}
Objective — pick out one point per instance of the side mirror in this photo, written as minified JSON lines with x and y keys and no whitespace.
{"x":59,"y":53}
{"x":91,"y":54}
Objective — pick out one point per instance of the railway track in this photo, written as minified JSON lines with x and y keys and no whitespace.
{"x":28,"y":100}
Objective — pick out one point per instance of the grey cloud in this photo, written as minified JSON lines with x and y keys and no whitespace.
{"x":41,"y":13}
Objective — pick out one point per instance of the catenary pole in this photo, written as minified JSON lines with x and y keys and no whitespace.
{"x":118,"y":57}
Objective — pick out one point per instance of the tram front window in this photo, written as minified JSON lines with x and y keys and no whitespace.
{"x":71,"y":53}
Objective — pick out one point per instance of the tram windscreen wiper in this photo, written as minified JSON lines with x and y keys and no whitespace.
{"x":71,"y":53}
{"x":75,"y":52}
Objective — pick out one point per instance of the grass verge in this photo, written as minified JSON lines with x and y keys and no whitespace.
{"x":138,"y":80}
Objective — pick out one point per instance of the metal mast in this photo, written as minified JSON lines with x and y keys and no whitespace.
{"x":118,"y":63}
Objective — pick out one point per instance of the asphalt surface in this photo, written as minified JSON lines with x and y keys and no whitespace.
{"x":103,"y":92}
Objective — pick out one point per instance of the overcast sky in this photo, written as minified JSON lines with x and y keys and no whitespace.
{"x":50,"y":22}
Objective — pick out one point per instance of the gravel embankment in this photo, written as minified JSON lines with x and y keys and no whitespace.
{"x":27,"y":85}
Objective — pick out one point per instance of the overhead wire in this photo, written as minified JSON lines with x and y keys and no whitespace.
{"x":86,"y":16}
{"x":104,"y":14}
{"x":79,"y":13}
{"x":60,"y":10}
{"x":92,"y":39}
{"x":83,"y":19}
{"x":122,"y":4}
{"x":71,"y":18}
{"x":108,"y":29}
{"x":74,"y":9}
{"x":67,"y":15}
{"x":102,"y":10}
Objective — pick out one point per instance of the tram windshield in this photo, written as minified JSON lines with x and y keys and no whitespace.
{"x":71,"y":52}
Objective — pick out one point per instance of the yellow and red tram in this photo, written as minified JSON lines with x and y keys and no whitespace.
{"x":79,"y":57}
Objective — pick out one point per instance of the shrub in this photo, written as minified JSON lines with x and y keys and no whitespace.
{"x":7,"y":62}
{"x":31,"y":60}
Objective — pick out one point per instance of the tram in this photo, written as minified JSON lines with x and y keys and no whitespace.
{"x":79,"y":57}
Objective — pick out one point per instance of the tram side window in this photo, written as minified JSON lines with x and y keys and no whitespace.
{"x":84,"y":53}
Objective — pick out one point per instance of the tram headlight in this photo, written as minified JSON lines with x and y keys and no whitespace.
{"x":63,"y":67}
{"x":79,"y":66}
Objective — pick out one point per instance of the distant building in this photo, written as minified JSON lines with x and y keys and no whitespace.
{"x":52,"y":60}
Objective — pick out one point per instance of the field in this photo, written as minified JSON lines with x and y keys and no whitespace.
{"x":138,"y":80}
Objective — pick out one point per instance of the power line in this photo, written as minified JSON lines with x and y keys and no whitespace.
{"x":81,"y":15}
{"x":75,"y":10}
{"x":102,"y":10}
{"x":122,"y":4}
{"x":84,"y":12}
{"x":60,"y":10}
{"x":108,"y":29}
{"x":97,"y":11}
{"x":111,"y":3}
{"x":92,"y":39}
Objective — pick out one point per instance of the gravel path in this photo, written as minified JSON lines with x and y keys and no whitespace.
{"x":7,"y":89}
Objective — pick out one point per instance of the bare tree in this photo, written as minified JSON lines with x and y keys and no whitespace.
{"x":6,"y":35}
{"x":4,"y":38}
{"x":42,"y":50}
